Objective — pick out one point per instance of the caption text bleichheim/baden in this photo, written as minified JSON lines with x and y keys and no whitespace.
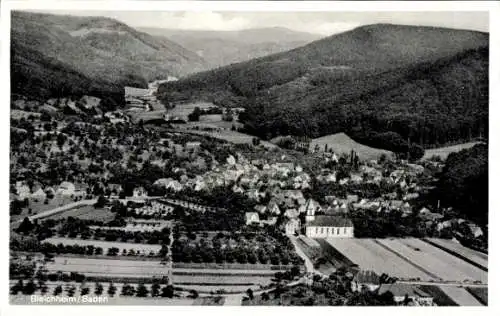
{"x":83,"y":299}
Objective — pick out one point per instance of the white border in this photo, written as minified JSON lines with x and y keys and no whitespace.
{"x":494,"y":263}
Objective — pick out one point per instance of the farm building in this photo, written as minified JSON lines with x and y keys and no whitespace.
{"x":402,"y":291}
{"x":330,"y":226}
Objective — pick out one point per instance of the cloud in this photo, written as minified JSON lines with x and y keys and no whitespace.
{"x":208,"y":21}
{"x":330,"y":28}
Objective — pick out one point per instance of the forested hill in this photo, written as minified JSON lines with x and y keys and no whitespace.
{"x":429,"y":84}
{"x":59,"y":55}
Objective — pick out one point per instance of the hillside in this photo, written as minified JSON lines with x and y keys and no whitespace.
{"x":220,"y":48}
{"x":56,"y":55}
{"x":424,"y":83}
{"x":343,"y":144}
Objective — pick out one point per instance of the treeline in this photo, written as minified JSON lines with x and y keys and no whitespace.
{"x":463,"y":184}
{"x":426,"y":104}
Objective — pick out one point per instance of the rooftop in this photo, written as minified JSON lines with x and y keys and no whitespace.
{"x":332,"y":221}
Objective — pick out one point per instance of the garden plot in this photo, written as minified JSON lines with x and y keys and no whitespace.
{"x":444,"y":265}
{"x":109,"y":268}
{"x":136,"y":227}
{"x":85,"y":212}
{"x":145,"y":249}
{"x":371,"y":256}
{"x":455,"y":247}
{"x":461,"y":296}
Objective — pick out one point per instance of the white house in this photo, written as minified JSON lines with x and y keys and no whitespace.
{"x":139,"y":192}
{"x":251,"y":217}
{"x":292,"y":226}
{"x":403,"y":290}
{"x":330,"y":226}
{"x":66,"y":189}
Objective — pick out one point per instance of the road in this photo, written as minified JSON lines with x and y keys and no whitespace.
{"x":308,"y":263}
{"x":60,"y":209}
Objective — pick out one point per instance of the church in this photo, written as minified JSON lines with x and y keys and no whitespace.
{"x":323,"y":226}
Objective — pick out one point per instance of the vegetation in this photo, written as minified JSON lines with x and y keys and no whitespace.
{"x":365,"y":94}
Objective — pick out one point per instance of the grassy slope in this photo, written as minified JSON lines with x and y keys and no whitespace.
{"x":341,"y":143}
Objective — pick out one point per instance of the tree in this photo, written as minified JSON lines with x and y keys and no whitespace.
{"x":18,"y":287}
{"x":101,"y":202}
{"x":84,"y":291}
{"x":128,"y":290}
{"x":155,"y":289}
{"x":167,"y":291}
{"x":416,"y":152}
{"x":250,"y":294}
{"x":195,"y":115}
{"x":58,"y":290}
{"x":193,"y":294}
{"x":142,"y":291}
{"x":264,"y":296}
{"x":25,"y":226}
{"x":111,"y":289}
{"x":98,"y":289}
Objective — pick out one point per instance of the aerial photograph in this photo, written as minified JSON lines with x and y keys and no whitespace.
{"x":248,"y":158}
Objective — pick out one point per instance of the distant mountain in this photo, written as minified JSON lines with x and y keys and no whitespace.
{"x":62,"y":55}
{"x":221,"y":48}
{"x":424,"y":83}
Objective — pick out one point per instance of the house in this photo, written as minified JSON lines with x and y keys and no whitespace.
{"x":330,"y":226}
{"x":261,"y":209}
{"x":475,"y":230}
{"x":310,"y":208}
{"x":273,"y":208}
{"x":139,"y":192}
{"x":366,"y":278}
{"x":39,"y":195}
{"x":192,"y":145}
{"x":66,"y":189}
{"x":269,"y":221}
{"x":352,"y":198}
{"x":401,"y":291}
{"x":291,"y":213}
{"x":23,"y":190}
{"x":292,"y":226}
{"x":251,"y":217}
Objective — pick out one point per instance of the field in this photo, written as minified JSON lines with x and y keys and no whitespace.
{"x":39,"y":206}
{"x":143,"y":248}
{"x":480,"y":293}
{"x":86,"y":212}
{"x":234,"y":137}
{"x":341,"y":143}
{"x":443,"y":152}
{"x":440,"y":297}
{"x":371,"y":256}
{"x":436,"y":261}
{"x":109,"y":268}
{"x":476,"y":257}
{"x":461,"y":296}
{"x":408,"y":258}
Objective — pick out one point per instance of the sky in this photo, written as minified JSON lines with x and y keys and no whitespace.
{"x":325,"y":23}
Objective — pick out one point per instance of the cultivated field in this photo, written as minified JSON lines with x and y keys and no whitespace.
{"x":434,"y":260}
{"x":461,"y":296}
{"x":109,"y":268}
{"x":143,"y":248}
{"x":341,"y":143}
{"x":234,"y":137}
{"x":38,"y":206}
{"x":443,"y":152}
{"x":480,"y":293}
{"x":371,"y":256}
{"x":454,"y":247}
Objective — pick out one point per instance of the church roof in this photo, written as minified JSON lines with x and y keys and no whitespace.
{"x":331,"y":221}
